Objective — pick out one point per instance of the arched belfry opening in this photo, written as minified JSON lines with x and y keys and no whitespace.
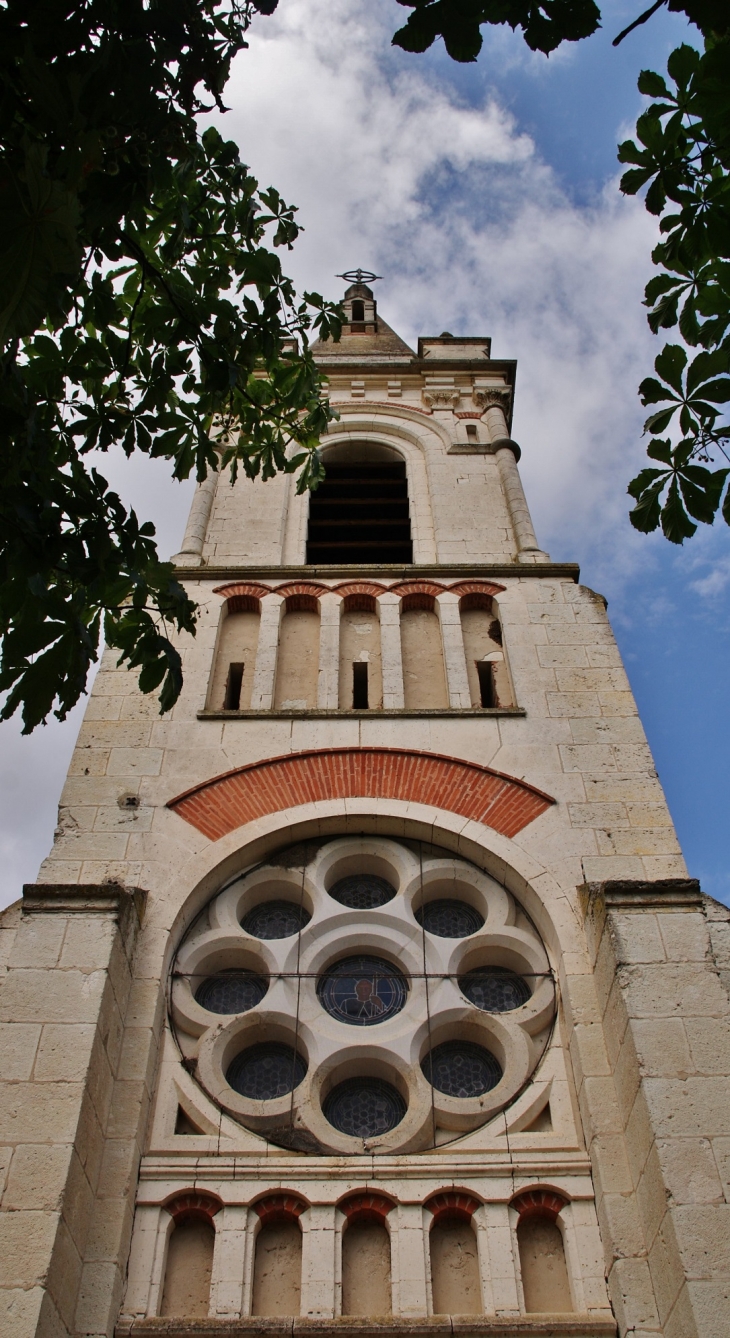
{"x":360,"y":512}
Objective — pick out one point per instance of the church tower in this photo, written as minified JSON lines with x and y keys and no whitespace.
{"x":366,"y":991}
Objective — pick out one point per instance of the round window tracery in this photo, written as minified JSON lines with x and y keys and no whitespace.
{"x":362,"y":891}
{"x":494,"y":989}
{"x":275,"y":990}
{"x":462,"y":1069}
{"x":364,"y":1107}
{"x":449,"y":919}
{"x":275,"y":919}
{"x":263,"y":1072}
{"x":231,"y":992}
{"x":362,"y":991}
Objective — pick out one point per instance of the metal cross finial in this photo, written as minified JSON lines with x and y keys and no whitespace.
{"x":358,"y":276}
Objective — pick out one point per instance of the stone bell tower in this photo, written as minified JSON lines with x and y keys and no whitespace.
{"x":366,"y":991}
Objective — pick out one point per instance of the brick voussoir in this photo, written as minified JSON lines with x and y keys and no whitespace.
{"x":216,"y":807}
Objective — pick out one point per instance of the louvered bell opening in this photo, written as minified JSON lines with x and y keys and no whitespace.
{"x":359,"y":514}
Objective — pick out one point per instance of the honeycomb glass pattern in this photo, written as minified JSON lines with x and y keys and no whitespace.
{"x":364,"y":1107}
{"x":449,"y":919}
{"x":362,"y":991}
{"x":231,"y":992}
{"x":362,"y":891}
{"x":264,"y":1072}
{"x":275,"y":919}
{"x":494,"y":989}
{"x":460,"y":1068}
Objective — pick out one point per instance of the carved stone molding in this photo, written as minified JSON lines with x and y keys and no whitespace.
{"x":487,"y":399}
{"x":442,"y":397}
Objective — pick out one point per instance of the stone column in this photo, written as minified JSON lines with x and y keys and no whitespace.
{"x":454,"y":656}
{"x":391,"y":653}
{"x":507,"y":453}
{"x":146,"y":1262}
{"x":328,"y":682}
{"x":229,"y":1261}
{"x":502,"y":1267}
{"x":191,"y":553}
{"x":62,"y":1013}
{"x":409,"y":1243}
{"x":661,"y":955}
{"x":319,"y":1238}
{"x":264,"y":674}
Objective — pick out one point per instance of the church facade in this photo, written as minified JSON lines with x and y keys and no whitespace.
{"x":367,"y":990}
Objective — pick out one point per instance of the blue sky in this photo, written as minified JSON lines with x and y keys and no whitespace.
{"x":487,"y":197}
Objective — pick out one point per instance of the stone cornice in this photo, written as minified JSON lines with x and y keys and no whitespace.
{"x":569,"y":571}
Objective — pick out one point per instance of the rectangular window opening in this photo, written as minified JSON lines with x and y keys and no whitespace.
{"x":233,"y":688}
{"x":486,"y":683}
{"x":360,"y":687}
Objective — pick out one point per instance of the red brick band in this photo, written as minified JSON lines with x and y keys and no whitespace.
{"x":539,"y":1203}
{"x":364,"y":1206}
{"x":453,"y":1204}
{"x":279,"y":1208}
{"x":194,"y":1205}
{"x":220,"y":805}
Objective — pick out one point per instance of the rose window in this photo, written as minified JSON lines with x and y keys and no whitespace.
{"x":361,"y":994}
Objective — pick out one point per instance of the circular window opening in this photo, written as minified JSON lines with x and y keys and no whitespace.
{"x":362,"y":891}
{"x":494,"y":989}
{"x":275,"y":919}
{"x":264,"y":1072}
{"x":231,"y":992}
{"x":460,"y":1068}
{"x":449,"y":919}
{"x":362,"y":990}
{"x":364,"y":1107}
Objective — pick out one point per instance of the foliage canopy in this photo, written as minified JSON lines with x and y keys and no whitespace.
{"x":142,"y":303}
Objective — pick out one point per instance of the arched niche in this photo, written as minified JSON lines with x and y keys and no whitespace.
{"x":455,"y":1283}
{"x":277,"y":1266}
{"x":424,"y":672}
{"x":297,"y":665}
{"x":543,"y":1266}
{"x":361,"y":665}
{"x":489,"y":682}
{"x":235,"y":655}
{"x":188,"y":1269}
{"x":366,"y":1267}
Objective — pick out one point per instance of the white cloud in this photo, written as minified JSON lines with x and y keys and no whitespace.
{"x":391,"y":169}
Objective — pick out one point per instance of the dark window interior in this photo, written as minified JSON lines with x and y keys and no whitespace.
{"x":360,"y":687}
{"x":359,"y":514}
{"x":486,"y":683}
{"x":358,"y":310}
{"x":233,"y":687}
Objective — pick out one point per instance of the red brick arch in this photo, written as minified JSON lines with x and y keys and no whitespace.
{"x":283,"y":1207}
{"x":476,"y":588}
{"x":225,"y":802}
{"x":360,"y":588}
{"x":453,"y":1203}
{"x":242,"y":590}
{"x":418,"y":588}
{"x":539,"y":1203}
{"x":193,"y":1205}
{"x":290,"y":588}
{"x":364,"y":1206}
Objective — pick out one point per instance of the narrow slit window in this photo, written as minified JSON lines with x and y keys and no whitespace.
{"x":233,"y":688}
{"x":360,"y":687}
{"x":358,"y":310}
{"x":471,"y":431}
{"x":486,"y":683}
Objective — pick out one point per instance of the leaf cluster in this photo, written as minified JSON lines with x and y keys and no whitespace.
{"x":681,"y":159}
{"x":141,"y":306}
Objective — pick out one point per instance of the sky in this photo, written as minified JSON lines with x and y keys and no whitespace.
{"x":487,"y":197}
